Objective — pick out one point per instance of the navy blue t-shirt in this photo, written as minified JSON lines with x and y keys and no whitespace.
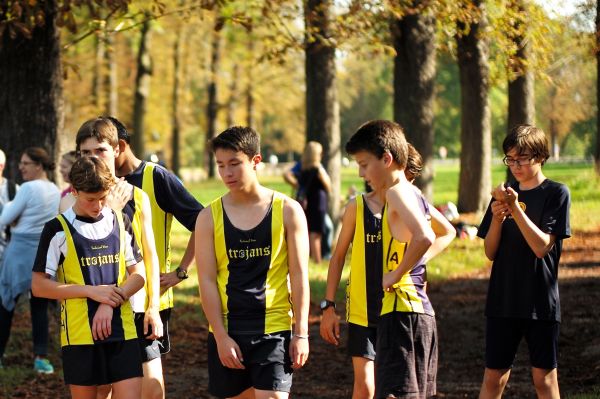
{"x":171,"y":196}
{"x":522,"y":285}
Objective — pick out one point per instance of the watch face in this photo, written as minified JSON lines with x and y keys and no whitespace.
{"x":323,"y":304}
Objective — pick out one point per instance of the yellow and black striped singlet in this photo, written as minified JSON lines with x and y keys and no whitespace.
{"x":252,"y":272}
{"x":133,"y":209}
{"x":409,"y":294}
{"x":161,"y":226}
{"x":364,"y":291}
{"x":93,"y":262}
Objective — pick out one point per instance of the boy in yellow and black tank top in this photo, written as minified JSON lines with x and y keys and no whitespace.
{"x":249,"y":244}
{"x":168,"y":199}
{"x":361,"y":227}
{"x":246,"y":260}
{"x":380,"y":149}
{"x":87,"y":249}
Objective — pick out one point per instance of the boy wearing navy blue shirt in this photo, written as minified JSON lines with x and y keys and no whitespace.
{"x":523,"y":229}
{"x":88,"y":259}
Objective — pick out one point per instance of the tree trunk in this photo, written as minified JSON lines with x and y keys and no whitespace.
{"x":250,"y":87}
{"x":112,"y":106}
{"x":521,"y":101}
{"x":142,"y":90}
{"x":98,"y":81}
{"x":213,"y":105}
{"x":414,"y":85}
{"x":232,"y":103}
{"x":175,"y":121}
{"x":475,"y":136}
{"x":31,"y":110}
{"x":322,"y":107}
{"x":597,"y":149}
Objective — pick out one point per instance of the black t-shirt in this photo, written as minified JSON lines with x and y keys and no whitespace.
{"x":171,"y":196}
{"x":522,"y":285}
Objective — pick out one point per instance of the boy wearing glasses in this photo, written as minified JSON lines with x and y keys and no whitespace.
{"x":523,"y":229}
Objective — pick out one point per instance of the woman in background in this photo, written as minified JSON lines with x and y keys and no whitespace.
{"x":317,"y":185}
{"x":35,"y":203}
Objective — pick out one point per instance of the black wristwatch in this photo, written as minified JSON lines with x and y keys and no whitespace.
{"x":326,"y":303}
{"x":181,"y":274}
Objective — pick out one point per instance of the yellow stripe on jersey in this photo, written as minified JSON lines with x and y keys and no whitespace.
{"x":75,"y":323}
{"x":161,"y":226}
{"x":356,"y":298}
{"x":73,"y":312}
{"x":136,"y":226}
{"x":405,"y":297}
{"x":222,"y":259}
{"x":278,"y":315}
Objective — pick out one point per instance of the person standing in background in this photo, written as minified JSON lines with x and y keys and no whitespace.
{"x":35,"y":203}
{"x":316,"y":185}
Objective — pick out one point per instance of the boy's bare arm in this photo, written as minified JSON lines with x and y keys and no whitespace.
{"x":135,"y":281}
{"x":403,"y":204}
{"x":296,"y":232}
{"x":207,"y":272}
{"x":444,"y":233}
{"x":168,"y":280}
{"x":330,"y":325}
{"x":44,"y":287}
{"x":230,"y":354}
{"x":500,"y":210}
{"x":540,"y":243}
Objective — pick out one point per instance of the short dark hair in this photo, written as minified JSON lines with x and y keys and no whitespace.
{"x":527,"y":139}
{"x":91,"y":175}
{"x":238,"y":138}
{"x":377,"y":137}
{"x":414,"y":163}
{"x":102,"y":129}
{"x":40,"y":156}
{"x":122,"y":132}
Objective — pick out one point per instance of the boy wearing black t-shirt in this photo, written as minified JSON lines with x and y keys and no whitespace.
{"x":523,"y":229}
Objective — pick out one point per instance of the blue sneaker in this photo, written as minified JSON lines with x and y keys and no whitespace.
{"x":43,"y":366}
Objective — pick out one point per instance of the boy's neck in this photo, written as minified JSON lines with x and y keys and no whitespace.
{"x":392,"y":179}
{"x":130,"y":164}
{"x":248,"y":194}
{"x":532,"y":183}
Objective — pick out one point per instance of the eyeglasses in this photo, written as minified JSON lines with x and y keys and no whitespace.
{"x":518,"y":162}
{"x":25,"y":163}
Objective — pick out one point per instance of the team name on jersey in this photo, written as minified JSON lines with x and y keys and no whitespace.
{"x":373,"y":238}
{"x":249,"y":253}
{"x":99,"y":260}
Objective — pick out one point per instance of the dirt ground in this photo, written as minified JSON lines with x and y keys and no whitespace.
{"x":459,"y":306}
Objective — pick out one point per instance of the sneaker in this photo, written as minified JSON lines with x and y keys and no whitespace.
{"x":43,"y":366}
